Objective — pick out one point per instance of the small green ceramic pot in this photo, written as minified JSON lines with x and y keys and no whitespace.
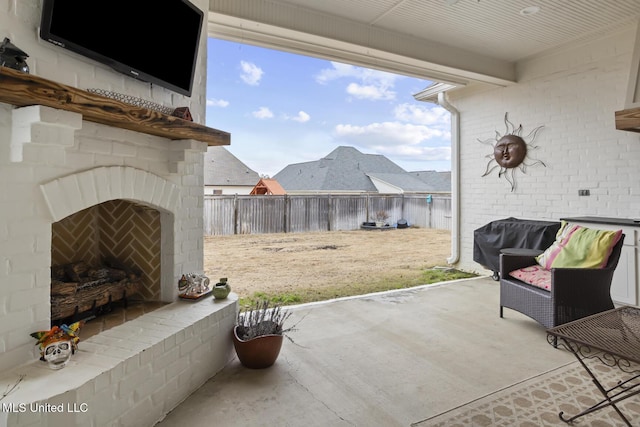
{"x":221,"y":289}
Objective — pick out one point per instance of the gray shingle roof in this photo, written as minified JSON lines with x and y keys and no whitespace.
{"x":404,"y":181}
{"x":223,"y":168}
{"x":437,"y":181}
{"x":346,"y":169}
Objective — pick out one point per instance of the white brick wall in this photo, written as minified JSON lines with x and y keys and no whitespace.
{"x":574,"y":94}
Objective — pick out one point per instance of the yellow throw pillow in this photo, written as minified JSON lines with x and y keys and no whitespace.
{"x":579,"y":247}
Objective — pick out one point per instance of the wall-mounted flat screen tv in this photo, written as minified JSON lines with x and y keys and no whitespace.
{"x":151,"y":40}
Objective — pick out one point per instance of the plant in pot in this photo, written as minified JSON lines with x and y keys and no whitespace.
{"x":381,"y":218}
{"x":258,"y":334}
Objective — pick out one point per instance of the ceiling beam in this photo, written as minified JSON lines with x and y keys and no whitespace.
{"x":293,"y":29}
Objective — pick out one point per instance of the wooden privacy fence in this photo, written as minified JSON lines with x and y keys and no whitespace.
{"x":244,"y":214}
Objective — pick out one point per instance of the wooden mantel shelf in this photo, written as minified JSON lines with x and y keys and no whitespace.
{"x":22,"y":90}
{"x":628,"y":120}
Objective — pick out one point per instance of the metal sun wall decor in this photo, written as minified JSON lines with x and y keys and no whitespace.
{"x":511,"y":151}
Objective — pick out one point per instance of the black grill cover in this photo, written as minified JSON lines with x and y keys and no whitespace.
{"x":489,"y":239}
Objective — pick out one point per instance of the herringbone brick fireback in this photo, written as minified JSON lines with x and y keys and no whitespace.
{"x":126,"y":231}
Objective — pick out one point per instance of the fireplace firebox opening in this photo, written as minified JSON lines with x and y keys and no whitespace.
{"x":104,"y":258}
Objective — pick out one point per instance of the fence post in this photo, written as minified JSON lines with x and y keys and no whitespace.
{"x":368,"y":207}
{"x":329,"y":210}
{"x":235,"y":214}
{"x":285,"y":213}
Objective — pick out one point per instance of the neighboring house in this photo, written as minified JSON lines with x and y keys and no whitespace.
{"x":224,"y":173}
{"x":269,"y":187}
{"x":438,"y":181}
{"x":347,"y":170}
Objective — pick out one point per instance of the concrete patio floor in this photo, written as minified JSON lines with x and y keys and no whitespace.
{"x":388,"y":359}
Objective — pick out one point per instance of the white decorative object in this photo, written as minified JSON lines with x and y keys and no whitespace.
{"x":197,"y":286}
{"x":58,"y":344}
{"x":58,"y":354}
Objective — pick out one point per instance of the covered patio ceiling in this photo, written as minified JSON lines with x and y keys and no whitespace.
{"x":451,"y":41}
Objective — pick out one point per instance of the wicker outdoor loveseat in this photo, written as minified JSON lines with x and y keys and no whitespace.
{"x":574,"y":292}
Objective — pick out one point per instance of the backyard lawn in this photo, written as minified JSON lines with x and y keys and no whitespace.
{"x":303,"y":267}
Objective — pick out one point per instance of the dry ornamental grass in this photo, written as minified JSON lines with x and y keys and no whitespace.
{"x":286,"y":263}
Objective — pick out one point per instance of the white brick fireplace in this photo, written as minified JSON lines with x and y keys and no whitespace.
{"x":56,"y":161}
{"x":58,"y":164}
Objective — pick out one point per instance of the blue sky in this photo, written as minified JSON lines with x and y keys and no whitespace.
{"x":282,"y":108}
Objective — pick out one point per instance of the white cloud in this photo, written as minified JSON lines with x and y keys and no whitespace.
{"x":419,"y":153}
{"x":370,"y":92}
{"x":251,"y":73}
{"x":395,"y":139}
{"x":431,"y":116}
{"x":343,"y":70}
{"x":302,"y":117}
{"x":371,"y":84}
{"x":394,"y":133}
{"x":339,"y":70}
{"x":263,"y":113}
{"x":217,"y":103}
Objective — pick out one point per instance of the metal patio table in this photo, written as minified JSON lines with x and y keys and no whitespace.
{"x":611,"y":338}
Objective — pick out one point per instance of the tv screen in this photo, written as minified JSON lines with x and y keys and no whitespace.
{"x":150,"y":40}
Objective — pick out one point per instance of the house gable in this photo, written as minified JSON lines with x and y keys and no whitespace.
{"x":224,"y":173}
{"x":347,"y":170}
{"x":269,"y":187}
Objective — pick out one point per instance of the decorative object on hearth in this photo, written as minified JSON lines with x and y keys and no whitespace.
{"x":133,"y":100}
{"x":511,"y":151}
{"x":183,"y":113}
{"x":12,"y":56}
{"x":183,"y":284}
{"x":221,"y":289}
{"x":198,"y":287}
{"x":58,"y":344}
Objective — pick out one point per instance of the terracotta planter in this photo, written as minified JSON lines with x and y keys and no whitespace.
{"x":257,"y":353}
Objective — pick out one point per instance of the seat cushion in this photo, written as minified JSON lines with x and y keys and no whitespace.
{"x":579,"y":247}
{"x":534,"y":275}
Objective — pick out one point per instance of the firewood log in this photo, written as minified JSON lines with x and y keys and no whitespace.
{"x":63,"y":288}
{"x":90,"y":297}
{"x":58,"y":273}
{"x":76,"y":270}
{"x":113,"y":274}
